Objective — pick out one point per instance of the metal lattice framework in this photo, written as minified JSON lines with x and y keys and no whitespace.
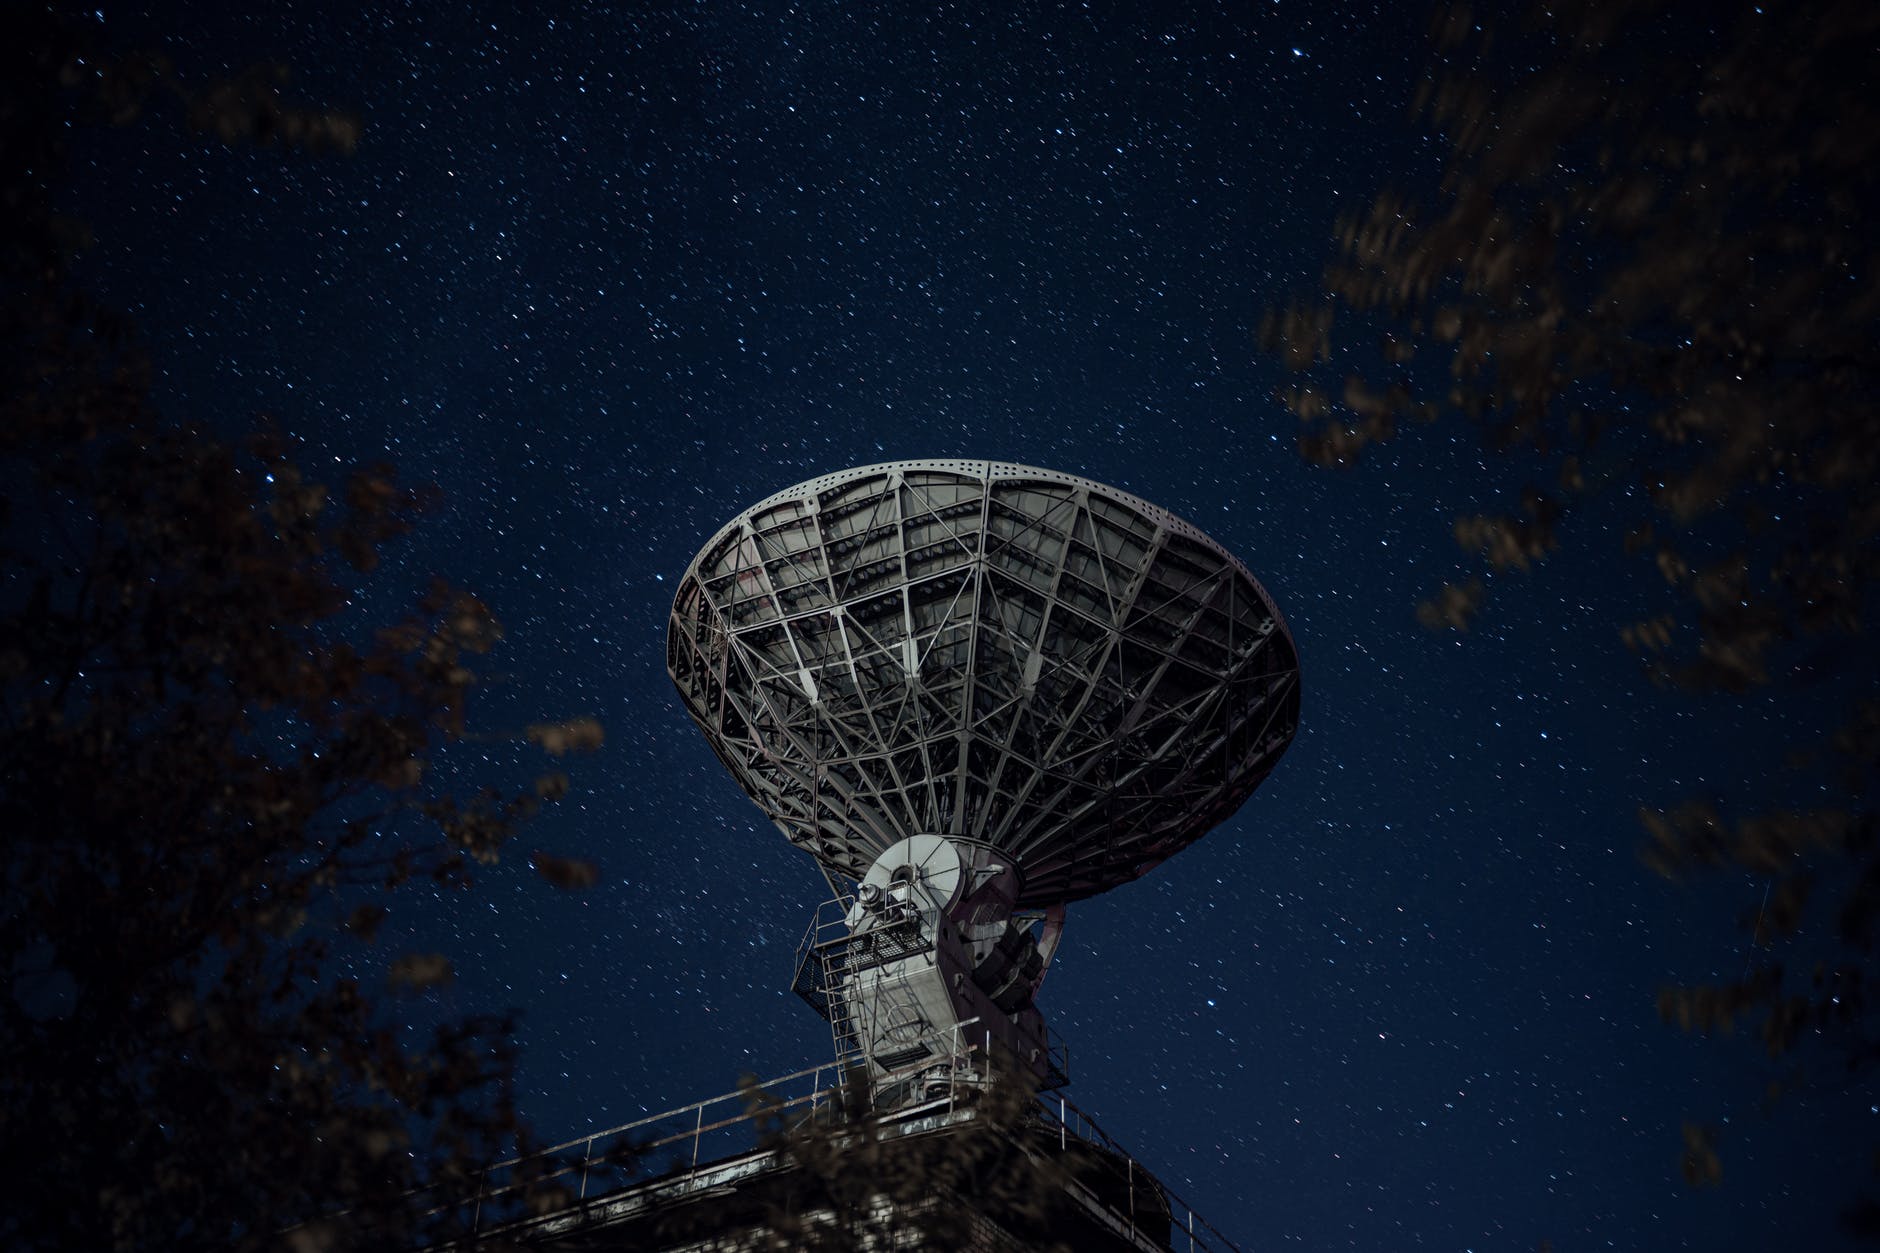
{"x":987,"y":651}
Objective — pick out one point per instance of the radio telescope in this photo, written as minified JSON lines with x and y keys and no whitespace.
{"x":974,"y":692}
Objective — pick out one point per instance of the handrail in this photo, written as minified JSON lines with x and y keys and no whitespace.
{"x":1086,"y":1129}
{"x":826,"y":1082}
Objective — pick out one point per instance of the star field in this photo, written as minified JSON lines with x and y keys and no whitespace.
{"x":609,"y":277}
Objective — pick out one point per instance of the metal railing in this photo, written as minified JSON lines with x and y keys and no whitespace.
{"x":580,"y":1171}
{"x":1186,"y":1226}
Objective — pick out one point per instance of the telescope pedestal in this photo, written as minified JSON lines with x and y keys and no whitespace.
{"x":930,"y":971}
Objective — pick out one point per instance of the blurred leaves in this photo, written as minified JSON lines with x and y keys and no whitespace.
{"x":420,"y":970}
{"x":247,"y":107}
{"x":1454,"y":606}
{"x":1701,"y":1166}
{"x":215,"y":768}
{"x":1646,"y":277}
{"x":579,"y":735}
{"x":861,"y":1183}
{"x":1670,"y":270}
{"x":567,"y":873}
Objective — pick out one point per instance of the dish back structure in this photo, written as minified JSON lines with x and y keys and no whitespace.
{"x":973,"y":691}
{"x":1019,"y":658}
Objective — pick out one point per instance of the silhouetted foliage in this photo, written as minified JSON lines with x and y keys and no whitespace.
{"x":1648,"y":275}
{"x":867,"y":1184}
{"x":970,"y":1167}
{"x":213,"y":773}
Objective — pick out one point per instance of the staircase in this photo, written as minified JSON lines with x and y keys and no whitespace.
{"x":827,"y":964}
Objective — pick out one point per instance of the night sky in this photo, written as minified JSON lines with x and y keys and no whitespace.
{"x":607,"y":280}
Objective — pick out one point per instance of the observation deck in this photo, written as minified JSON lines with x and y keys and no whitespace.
{"x":708,"y":1171}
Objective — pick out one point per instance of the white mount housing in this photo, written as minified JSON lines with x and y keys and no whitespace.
{"x":934,"y":953}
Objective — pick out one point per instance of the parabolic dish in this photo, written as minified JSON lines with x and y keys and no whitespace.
{"x":992,"y":652}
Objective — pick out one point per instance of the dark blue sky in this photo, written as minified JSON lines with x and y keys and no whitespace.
{"x":609,"y":279}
